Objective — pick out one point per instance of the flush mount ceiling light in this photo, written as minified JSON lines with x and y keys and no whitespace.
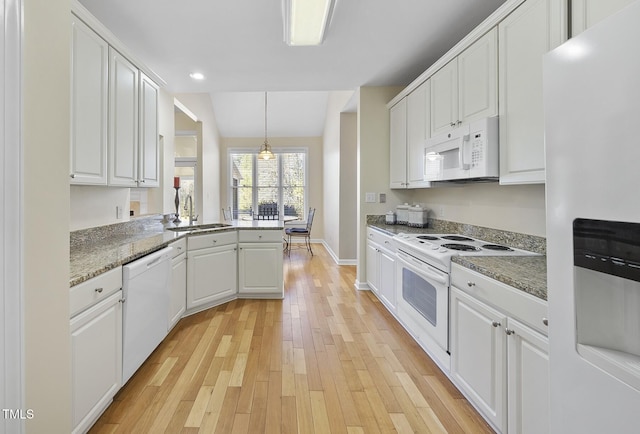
{"x":305,"y":21}
{"x":197,"y":75}
{"x":265,"y":150}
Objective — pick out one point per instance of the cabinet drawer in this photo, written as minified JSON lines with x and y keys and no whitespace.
{"x":515,"y":303}
{"x":195,"y":242}
{"x":179,"y":247}
{"x":94,"y":290}
{"x":261,"y":236}
{"x":381,"y":239}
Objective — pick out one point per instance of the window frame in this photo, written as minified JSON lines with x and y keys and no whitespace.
{"x":254,"y":173}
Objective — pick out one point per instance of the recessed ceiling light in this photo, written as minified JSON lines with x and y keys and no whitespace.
{"x":197,"y":75}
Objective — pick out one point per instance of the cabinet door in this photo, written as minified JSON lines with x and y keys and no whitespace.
{"x":478,"y":355}
{"x":178,"y":299}
{"x":444,"y":99}
{"x":96,"y":360}
{"x":260,"y":269}
{"x":149,"y":156}
{"x":418,"y":122}
{"x":478,"y":79}
{"x":530,"y":31}
{"x":123,"y":121}
{"x":528,"y":379}
{"x":211,"y":275}
{"x":372,"y":266}
{"x":89,"y":84}
{"x":398,"y":145}
{"x":586,"y":13}
{"x":387,"y":278}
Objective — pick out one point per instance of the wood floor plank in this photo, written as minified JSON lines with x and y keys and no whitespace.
{"x":325,"y":359}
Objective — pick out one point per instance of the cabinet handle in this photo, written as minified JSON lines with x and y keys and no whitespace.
{"x":215,"y":241}
{"x":509,"y":332}
{"x":470,"y":284}
{"x":99,"y":290}
{"x":459,"y":122}
{"x":179,"y":248}
{"x":141,"y":181}
{"x":73,"y":175}
{"x":545,"y":321}
{"x":496,"y":324}
{"x":122,"y":300}
{"x":259,"y":237}
{"x":453,"y":124}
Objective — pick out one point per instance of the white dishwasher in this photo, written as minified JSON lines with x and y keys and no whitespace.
{"x":145,"y":289}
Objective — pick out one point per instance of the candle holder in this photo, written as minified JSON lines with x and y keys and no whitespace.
{"x":177,"y":202}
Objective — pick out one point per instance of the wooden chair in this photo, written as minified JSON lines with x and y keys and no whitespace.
{"x":301,"y":232}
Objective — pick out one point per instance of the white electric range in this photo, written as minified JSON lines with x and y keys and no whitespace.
{"x":423,"y":270}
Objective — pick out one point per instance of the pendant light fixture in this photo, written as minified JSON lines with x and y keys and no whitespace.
{"x":265,"y":150}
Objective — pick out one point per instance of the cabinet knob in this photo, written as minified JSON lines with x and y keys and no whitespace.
{"x":453,"y":124}
{"x":122,"y":300}
{"x":215,"y":241}
{"x":260,"y":237}
{"x":470,"y":284}
{"x":459,"y":122}
{"x":73,"y":175}
{"x":179,"y":248}
{"x":496,"y":324}
{"x":545,"y":321}
{"x":509,"y":332}
{"x":99,"y":290}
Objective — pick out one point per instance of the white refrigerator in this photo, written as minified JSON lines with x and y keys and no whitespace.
{"x":592,"y":146}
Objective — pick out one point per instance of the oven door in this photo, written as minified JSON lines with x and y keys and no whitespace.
{"x":424,"y":303}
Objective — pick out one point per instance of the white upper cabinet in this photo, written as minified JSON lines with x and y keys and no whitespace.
{"x":444,"y":99}
{"x":585,"y":13}
{"x":149,"y":155}
{"x":89,"y":81}
{"x":398,"y":145}
{"x":417,"y":133}
{"x":533,"y":29}
{"x":478,"y":79}
{"x":465,"y":89}
{"x":123,"y":121}
{"x":409,"y":129}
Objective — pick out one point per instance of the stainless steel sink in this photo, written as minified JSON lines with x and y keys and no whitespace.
{"x":199,"y":227}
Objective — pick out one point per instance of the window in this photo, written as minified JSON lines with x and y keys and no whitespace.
{"x":268,"y":188}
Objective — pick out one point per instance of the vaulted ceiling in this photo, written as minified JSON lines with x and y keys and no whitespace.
{"x":238,"y":45}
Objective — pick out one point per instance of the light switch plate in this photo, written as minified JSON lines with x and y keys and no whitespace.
{"x":370,"y":198}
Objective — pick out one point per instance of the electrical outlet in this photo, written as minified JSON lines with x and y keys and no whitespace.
{"x":118,"y":212}
{"x":441,"y":211}
{"x":370,"y":198}
{"x":383,"y":198}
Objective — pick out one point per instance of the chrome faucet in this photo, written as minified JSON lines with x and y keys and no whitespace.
{"x":191,"y":217}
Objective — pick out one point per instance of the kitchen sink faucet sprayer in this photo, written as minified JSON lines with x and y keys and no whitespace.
{"x":191,"y":217}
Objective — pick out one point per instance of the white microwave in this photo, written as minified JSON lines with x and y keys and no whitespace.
{"x":468,"y":152}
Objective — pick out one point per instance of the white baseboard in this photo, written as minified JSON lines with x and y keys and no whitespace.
{"x":335,"y":257}
{"x":362,"y":286}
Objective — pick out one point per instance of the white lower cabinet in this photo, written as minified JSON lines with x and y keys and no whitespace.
{"x":260,"y":264}
{"x":178,"y":294}
{"x":499,"y":354}
{"x":211,"y":269}
{"x":381,"y":267}
{"x":96,"y":360}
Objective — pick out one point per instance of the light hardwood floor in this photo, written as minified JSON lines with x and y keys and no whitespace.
{"x":326,"y":359}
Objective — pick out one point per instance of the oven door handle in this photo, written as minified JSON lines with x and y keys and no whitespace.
{"x":422,"y":268}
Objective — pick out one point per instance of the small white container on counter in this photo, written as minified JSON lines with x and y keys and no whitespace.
{"x":418,"y":217}
{"x":402,"y":214}
{"x":390,"y":218}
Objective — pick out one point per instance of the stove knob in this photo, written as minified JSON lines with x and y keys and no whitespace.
{"x":435,"y":247}
{"x":443,"y":250}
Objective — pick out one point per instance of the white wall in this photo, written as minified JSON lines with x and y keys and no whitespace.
{"x":96,"y":206}
{"x":315,"y":176}
{"x":516,"y":208}
{"x":348,"y":186}
{"x":46,"y":135}
{"x":208,"y":154}
{"x":373,"y":162}
{"x":334,"y":175}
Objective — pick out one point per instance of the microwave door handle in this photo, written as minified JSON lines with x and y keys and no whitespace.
{"x":464,"y":165}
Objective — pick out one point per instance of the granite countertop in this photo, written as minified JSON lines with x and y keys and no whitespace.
{"x":526,"y":273}
{"x":97,"y":250}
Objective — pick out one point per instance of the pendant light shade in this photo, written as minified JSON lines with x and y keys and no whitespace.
{"x":265,"y":150}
